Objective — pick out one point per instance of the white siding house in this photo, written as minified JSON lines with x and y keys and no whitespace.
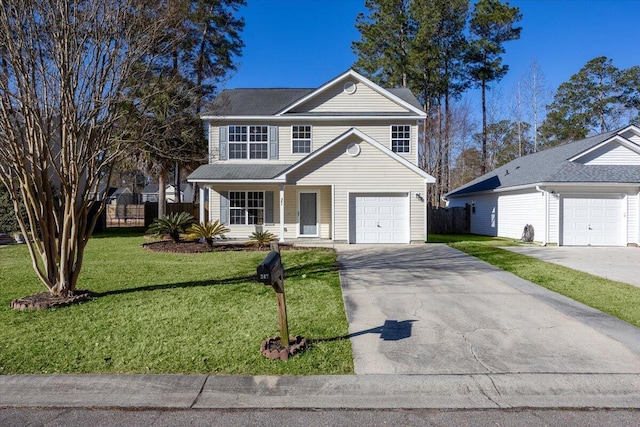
{"x":338,"y":162}
{"x":583,"y":193}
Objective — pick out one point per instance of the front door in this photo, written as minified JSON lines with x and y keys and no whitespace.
{"x":308,"y":214}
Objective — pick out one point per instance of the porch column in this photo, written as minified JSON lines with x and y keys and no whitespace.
{"x":282,"y":213}
{"x":201,"y":199}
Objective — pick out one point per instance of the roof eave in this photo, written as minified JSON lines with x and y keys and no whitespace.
{"x":311,"y":117}
{"x":543,"y":185}
{"x":236,"y":181}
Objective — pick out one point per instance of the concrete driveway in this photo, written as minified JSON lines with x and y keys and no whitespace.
{"x":619,"y":264}
{"x":430,"y":309}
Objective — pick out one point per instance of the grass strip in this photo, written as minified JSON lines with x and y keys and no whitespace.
{"x":620,"y":300}
{"x":173,"y":313}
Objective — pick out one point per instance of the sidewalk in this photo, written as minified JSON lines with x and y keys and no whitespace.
{"x":355,"y":391}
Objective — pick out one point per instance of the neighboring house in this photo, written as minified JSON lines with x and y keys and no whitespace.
{"x":113,"y":194}
{"x":338,"y":162}
{"x":120,"y":195}
{"x":581,"y":193}
{"x":103,"y":192}
{"x":150,"y":193}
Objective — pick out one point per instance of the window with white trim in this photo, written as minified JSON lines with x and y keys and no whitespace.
{"x":248,"y":142}
{"x":300,"y":139}
{"x":246,"y":207}
{"x":401,"y":138}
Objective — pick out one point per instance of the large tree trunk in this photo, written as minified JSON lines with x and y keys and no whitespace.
{"x":483,"y":167}
{"x":162,"y":193}
{"x":176,"y":181}
{"x":447,"y":144}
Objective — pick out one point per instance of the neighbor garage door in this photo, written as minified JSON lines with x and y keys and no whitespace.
{"x":379,"y":218}
{"x":592,"y":221}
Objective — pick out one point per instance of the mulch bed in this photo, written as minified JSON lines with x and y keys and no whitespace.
{"x":271,"y":348}
{"x":194,"y":247}
{"x":46,"y":300}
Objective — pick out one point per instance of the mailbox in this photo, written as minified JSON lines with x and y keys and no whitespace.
{"x":270,"y":272}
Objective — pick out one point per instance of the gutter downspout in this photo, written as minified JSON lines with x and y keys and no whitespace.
{"x":545,"y":234}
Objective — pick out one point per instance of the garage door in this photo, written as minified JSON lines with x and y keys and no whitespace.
{"x":592,"y":221}
{"x":379,"y":218}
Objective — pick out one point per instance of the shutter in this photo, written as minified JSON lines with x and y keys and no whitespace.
{"x":268,"y":208}
{"x":273,"y":142}
{"x":222,"y":148}
{"x":224,"y":207}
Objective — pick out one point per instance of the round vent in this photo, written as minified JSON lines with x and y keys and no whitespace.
{"x":349,"y":87}
{"x":353,"y":149}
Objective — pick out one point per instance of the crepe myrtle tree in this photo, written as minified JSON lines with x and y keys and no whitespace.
{"x":65,"y":67}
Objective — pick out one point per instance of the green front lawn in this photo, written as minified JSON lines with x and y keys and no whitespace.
{"x":615,"y":298}
{"x":171,"y":313}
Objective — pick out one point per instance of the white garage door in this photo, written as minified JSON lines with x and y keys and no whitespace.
{"x":379,"y":218}
{"x":592,"y":221}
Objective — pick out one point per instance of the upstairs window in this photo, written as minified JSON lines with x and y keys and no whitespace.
{"x":401,"y":138}
{"x":248,"y":142}
{"x":301,"y":138}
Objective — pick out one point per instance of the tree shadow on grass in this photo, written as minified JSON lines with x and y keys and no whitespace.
{"x":309,"y":269}
{"x":120,"y":232}
{"x":183,"y":285}
{"x":297,"y":271}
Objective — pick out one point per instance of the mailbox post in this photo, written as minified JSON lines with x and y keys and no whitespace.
{"x":271,"y":273}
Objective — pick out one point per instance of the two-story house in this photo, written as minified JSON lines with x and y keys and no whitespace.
{"x":337,"y":162}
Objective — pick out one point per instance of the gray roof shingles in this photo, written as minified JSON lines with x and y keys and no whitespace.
{"x":267,"y":102}
{"x":406,"y":95}
{"x":552,"y":165}
{"x":255,"y":102}
{"x":234,"y":171}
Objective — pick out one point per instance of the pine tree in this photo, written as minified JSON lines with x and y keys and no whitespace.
{"x":592,"y":100}
{"x":202,"y":47}
{"x":492,"y":24}
{"x":387,"y":36}
{"x":440,"y":77}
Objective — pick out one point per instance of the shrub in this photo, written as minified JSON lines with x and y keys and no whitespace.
{"x":207,"y":231}
{"x":261,"y":239}
{"x":172,"y":225}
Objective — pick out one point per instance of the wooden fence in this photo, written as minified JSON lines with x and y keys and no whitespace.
{"x":125,"y":215}
{"x":449,"y":220}
{"x":142,"y":215}
{"x":151,"y":210}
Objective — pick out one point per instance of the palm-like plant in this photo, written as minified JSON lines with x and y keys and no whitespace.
{"x":172,"y":224}
{"x":207,"y":231}
{"x":260,"y":239}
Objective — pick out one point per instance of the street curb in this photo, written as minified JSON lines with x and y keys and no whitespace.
{"x":468,"y":391}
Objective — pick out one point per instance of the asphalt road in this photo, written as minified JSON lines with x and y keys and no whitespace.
{"x":311,"y":417}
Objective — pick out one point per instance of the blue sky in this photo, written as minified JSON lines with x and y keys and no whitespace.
{"x":304,"y":43}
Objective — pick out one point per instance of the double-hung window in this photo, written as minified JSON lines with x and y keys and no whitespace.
{"x":248,"y":142}
{"x":401,"y":138}
{"x":246,"y":207}
{"x":301,"y":139}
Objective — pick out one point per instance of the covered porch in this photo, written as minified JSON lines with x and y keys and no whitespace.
{"x":288,"y":211}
